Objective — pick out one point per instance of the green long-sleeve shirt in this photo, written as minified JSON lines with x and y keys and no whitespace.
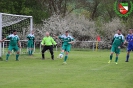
{"x":48,"y":41}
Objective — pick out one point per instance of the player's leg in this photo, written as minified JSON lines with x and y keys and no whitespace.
{"x":129,"y":48}
{"x":28,"y":45}
{"x":51,"y":52}
{"x":116,"y":59}
{"x":111,"y":54}
{"x":9,"y":51}
{"x":117,"y":54}
{"x":66,"y":57}
{"x":127,"y":57}
{"x":68,"y":48}
{"x":17,"y":53}
{"x":16,"y":49}
{"x":32,"y":47}
{"x":63,"y":50}
{"x":43,"y":51}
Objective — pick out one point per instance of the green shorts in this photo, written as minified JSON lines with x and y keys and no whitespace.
{"x":14,"y":48}
{"x":115,"y":49}
{"x":66,"y":48}
{"x":30,"y":45}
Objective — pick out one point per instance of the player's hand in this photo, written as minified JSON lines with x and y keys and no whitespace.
{"x":55,"y":36}
{"x":119,"y":47}
{"x":42,"y":45}
{"x":71,"y":42}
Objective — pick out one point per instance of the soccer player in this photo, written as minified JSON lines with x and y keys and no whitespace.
{"x":13,"y":45}
{"x":31,"y":39}
{"x":129,"y":40}
{"x":47,"y":43}
{"x":67,"y":40}
{"x":117,"y":42}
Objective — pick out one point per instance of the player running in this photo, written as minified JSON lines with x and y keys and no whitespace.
{"x":67,"y":40}
{"x":13,"y":45}
{"x":117,"y":42}
{"x":30,"y":44}
{"x":129,"y":40}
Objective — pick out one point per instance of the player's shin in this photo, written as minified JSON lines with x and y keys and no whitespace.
{"x":116,"y":59}
{"x":65,"y":58}
{"x":7,"y":56}
{"x":17,"y":55}
{"x":111,"y":56}
{"x":31,"y":51}
{"x":127,"y":58}
{"x":43,"y":57}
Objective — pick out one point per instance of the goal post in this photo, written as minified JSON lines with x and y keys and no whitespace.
{"x":13,"y":21}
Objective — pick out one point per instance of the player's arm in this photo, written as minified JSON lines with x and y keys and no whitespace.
{"x":28,"y":37}
{"x":126,"y":40}
{"x":19,"y":45}
{"x":72,"y":40}
{"x":43,"y":42}
{"x":54,"y":43}
{"x":5,"y":39}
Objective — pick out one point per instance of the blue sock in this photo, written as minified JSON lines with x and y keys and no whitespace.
{"x":127,"y":58}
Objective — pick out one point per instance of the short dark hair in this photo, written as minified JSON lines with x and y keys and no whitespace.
{"x":14,"y":31}
{"x":67,"y":31}
{"x":119,"y":30}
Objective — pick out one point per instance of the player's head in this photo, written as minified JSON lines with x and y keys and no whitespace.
{"x":119,"y":31}
{"x":66,"y":33}
{"x":32,"y":32}
{"x":47,"y":34}
{"x":14,"y":32}
{"x":130,"y":31}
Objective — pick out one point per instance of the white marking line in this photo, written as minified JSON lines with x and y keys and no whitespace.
{"x":99,"y":68}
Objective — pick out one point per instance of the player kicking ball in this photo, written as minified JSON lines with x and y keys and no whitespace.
{"x":67,"y":41}
{"x":13,"y":45}
{"x":129,"y":40}
{"x":31,"y":39}
{"x":117,"y":42}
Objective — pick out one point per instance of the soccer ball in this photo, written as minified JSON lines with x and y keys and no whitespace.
{"x":60,"y":55}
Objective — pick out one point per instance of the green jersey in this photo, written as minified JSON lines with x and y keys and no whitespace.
{"x":13,"y":39}
{"x":66,"y":39}
{"x":118,"y":40}
{"x":31,"y":38}
{"x":48,"y":41}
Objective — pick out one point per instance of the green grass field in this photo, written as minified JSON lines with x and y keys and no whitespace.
{"x":85,"y":69}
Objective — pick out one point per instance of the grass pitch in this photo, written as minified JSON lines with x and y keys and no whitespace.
{"x":85,"y":69}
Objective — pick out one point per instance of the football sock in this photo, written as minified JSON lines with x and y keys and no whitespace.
{"x":65,"y":58}
{"x":52,"y":56}
{"x":7,"y":56}
{"x":116,"y":59}
{"x":43,"y":56}
{"x":127,"y":58}
{"x":111,"y":56}
{"x":31,"y":52}
{"x":17,"y":55}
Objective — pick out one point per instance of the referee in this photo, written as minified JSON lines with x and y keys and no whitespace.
{"x":47,"y":43}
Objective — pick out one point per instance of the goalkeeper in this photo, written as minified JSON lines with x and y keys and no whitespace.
{"x":67,"y":40}
{"x":117,"y":42}
{"x":13,"y":45}
{"x":30,"y":44}
{"x":47,"y":43}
